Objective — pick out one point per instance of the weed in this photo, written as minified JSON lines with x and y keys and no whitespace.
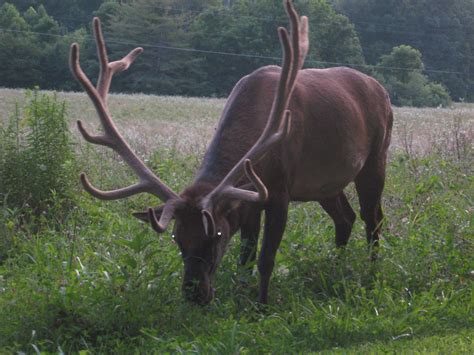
{"x":36,"y":156}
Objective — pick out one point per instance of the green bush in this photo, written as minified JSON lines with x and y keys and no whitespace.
{"x":439,"y":95}
{"x":409,"y":86}
{"x":36,"y":155}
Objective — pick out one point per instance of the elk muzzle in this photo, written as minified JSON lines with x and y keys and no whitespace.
{"x":197,"y":286}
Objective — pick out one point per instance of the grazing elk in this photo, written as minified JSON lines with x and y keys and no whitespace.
{"x":285,"y":134}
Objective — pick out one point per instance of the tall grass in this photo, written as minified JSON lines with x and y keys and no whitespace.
{"x":37,"y":165}
{"x":36,"y":154}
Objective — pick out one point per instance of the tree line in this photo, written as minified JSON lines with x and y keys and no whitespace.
{"x":203,"y":47}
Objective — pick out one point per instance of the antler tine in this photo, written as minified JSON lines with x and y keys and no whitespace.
{"x":247,"y":195}
{"x":114,"y":194}
{"x":279,"y":122}
{"x":166,"y":216}
{"x":103,"y":57}
{"x":98,"y":139}
{"x":112,"y":138}
{"x":300,"y":42}
{"x":304,"y":40}
{"x":107,"y":70}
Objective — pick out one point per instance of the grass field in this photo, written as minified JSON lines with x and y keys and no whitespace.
{"x":102,"y":282}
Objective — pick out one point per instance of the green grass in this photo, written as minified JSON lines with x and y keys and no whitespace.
{"x":103,"y":282}
{"x":460,"y":343}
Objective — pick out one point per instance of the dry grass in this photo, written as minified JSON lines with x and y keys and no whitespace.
{"x":421,"y":130}
{"x":147,"y":122}
{"x":187,"y":124}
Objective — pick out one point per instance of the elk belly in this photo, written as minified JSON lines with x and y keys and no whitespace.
{"x":325,"y":182}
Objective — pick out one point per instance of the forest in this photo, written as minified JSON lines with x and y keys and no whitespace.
{"x":421,"y":50}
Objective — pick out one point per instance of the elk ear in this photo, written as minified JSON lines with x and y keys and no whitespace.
{"x":209,"y":224}
{"x":143,"y":216}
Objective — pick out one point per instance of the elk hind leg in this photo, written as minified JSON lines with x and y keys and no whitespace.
{"x":369,"y":184}
{"x":343,"y":216}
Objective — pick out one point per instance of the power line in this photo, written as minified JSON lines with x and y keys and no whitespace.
{"x":243,"y":55}
{"x":358,"y":29}
{"x":364,"y":49}
{"x":403,"y":26}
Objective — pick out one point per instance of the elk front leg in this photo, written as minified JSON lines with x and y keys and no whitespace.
{"x":276,"y":213}
{"x":249,"y":239}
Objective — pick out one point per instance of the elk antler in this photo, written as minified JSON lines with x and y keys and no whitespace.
{"x":111,"y":137}
{"x":278,"y":124}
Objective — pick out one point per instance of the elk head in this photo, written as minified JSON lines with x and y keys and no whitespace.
{"x":205,"y":215}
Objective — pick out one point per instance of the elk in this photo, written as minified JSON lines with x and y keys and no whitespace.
{"x":285,"y":134}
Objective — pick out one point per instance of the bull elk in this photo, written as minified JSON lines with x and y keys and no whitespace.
{"x":286,"y":134}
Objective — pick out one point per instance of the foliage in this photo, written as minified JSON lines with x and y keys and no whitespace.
{"x":105,"y":283}
{"x":18,"y":47}
{"x":238,"y":29}
{"x":32,"y":51}
{"x":442,"y":30}
{"x":160,"y":28}
{"x":72,"y":13}
{"x":166,"y":29}
{"x":409,"y":87}
{"x":36,"y":156}
{"x":403,"y":57}
{"x":40,"y":21}
{"x":11,"y":18}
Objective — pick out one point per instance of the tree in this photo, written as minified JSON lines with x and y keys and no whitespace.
{"x":442,"y":30}
{"x":40,"y":53}
{"x":163,"y":29}
{"x":10,"y":18}
{"x":401,"y":73}
{"x":40,"y":21}
{"x":107,"y":11}
{"x":19,"y":50}
{"x":248,"y":30}
{"x":407,"y":58}
{"x":71,"y":13}
{"x":55,"y":73}
{"x":333,"y":37}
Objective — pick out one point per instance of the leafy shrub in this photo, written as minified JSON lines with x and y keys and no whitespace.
{"x":36,"y":155}
{"x":438,"y":95}
{"x":408,"y":86}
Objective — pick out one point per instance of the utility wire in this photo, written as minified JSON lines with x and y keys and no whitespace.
{"x":365,"y":50}
{"x":243,"y":55}
{"x":358,"y":29}
{"x":444,"y":28}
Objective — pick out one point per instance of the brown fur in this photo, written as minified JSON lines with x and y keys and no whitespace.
{"x":341,"y":128}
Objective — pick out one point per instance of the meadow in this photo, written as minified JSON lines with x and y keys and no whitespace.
{"x":98,"y":281}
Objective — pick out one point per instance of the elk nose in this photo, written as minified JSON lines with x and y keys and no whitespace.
{"x":198,"y":292}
